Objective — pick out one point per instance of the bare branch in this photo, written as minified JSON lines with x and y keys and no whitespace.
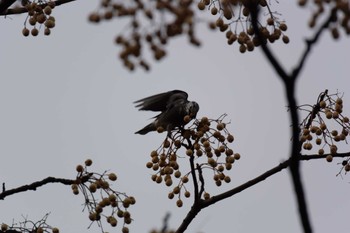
{"x":38,"y":184}
{"x":317,"y":156}
{"x":289,"y":83}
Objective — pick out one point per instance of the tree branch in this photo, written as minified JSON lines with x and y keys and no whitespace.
{"x":317,"y":156}
{"x":289,"y":84}
{"x":195,"y":209}
{"x":311,"y":42}
{"x":38,"y":184}
{"x":21,"y":10}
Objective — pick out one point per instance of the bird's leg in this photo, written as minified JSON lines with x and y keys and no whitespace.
{"x":169,"y":135}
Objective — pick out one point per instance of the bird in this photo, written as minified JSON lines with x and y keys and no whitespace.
{"x":173,"y":106}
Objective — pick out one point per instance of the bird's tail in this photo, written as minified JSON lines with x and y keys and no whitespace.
{"x":146,"y":129}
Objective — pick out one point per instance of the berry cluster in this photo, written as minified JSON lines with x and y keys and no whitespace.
{"x":234,"y":19}
{"x":340,"y":10}
{"x":28,"y":226}
{"x":39,"y":13}
{"x":153,"y":23}
{"x":206,"y":141}
{"x":109,"y":198}
{"x":325,"y":125}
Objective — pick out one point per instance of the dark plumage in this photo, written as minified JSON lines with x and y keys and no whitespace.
{"x":173,"y":106}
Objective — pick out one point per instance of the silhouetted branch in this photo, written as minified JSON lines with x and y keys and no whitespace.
{"x":205,"y":203}
{"x":317,"y":156}
{"x":38,"y":184}
{"x":195,"y":181}
{"x":289,"y":83}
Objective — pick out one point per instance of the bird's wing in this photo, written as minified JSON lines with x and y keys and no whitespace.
{"x":160,"y":102}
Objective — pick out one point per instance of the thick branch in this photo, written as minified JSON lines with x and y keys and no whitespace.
{"x":263,"y":43}
{"x":289,"y":84}
{"x":21,"y":10}
{"x":201,"y":204}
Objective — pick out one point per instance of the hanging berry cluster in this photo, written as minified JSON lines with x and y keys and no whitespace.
{"x":39,"y":14}
{"x":207,"y":142}
{"x":153,"y":23}
{"x":108,"y":204}
{"x":325,"y":126}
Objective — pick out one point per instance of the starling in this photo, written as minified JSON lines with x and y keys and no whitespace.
{"x":173,"y":106}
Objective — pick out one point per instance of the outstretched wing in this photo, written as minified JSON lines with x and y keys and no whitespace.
{"x":162,"y":101}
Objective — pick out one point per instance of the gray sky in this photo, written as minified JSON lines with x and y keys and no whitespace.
{"x":66,"y":97}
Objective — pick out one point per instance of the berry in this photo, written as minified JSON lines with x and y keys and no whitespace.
{"x":112,"y":176}
{"x":179,"y":203}
{"x":25,"y":32}
{"x":34,"y":32}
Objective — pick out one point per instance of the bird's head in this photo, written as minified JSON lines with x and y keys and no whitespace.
{"x":192,"y":109}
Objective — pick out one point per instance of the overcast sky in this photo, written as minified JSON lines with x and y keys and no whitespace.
{"x":66,"y":97}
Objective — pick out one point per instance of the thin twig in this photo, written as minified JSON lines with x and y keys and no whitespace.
{"x":38,"y":184}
